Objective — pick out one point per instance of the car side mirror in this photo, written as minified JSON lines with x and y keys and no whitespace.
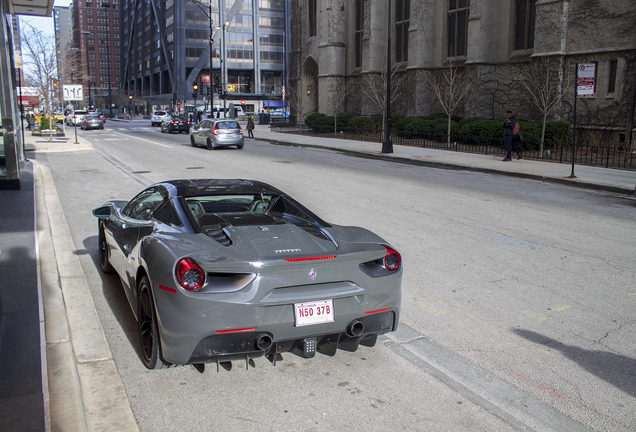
{"x":102,"y":212}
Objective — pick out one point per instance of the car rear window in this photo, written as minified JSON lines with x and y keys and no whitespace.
{"x":160,"y":113}
{"x":227,"y":125}
{"x":92,"y":116}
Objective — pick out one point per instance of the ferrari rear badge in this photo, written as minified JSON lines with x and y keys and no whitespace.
{"x":312,"y":274}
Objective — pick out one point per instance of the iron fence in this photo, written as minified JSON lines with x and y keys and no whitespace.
{"x":596,"y":155}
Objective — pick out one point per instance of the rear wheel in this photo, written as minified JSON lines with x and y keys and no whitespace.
{"x":104,"y":263}
{"x":210,"y":145}
{"x":194,"y":144}
{"x":147,"y":324}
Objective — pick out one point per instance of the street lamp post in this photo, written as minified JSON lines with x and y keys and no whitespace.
{"x":88,"y":69}
{"x":224,"y":70}
{"x":209,"y":15}
{"x":387,"y":144}
{"x":110,"y":91}
{"x":130,"y":106}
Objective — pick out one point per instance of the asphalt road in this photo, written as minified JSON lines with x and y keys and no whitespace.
{"x":530,"y":282}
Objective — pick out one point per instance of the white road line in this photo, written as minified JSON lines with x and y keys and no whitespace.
{"x":142,"y":139}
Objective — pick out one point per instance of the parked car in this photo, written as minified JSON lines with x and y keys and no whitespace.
{"x":158,"y":117}
{"x":231,"y":270}
{"x":174,"y":123}
{"x":75,"y":117}
{"x":92,"y":121}
{"x":217,"y":133}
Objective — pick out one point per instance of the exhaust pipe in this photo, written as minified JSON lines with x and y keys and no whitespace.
{"x":263,"y":342}
{"x":355,"y":328}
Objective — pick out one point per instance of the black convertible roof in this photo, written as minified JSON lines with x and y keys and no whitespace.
{"x":198,"y":187}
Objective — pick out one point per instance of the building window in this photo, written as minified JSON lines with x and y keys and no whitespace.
{"x":312,"y":17}
{"x":402,"y":15}
{"x":611,"y":86}
{"x":457,"y":27}
{"x":525,"y":13}
{"x":359,"y":31}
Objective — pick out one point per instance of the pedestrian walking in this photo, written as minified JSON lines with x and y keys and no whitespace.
{"x":250,"y":126}
{"x":508,"y":129}
{"x":32,"y":122}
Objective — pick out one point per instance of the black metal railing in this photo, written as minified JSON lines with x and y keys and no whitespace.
{"x":602,"y":156}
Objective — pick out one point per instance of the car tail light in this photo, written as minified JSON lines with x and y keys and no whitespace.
{"x":172,"y":122}
{"x":189,"y":275}
{"x":214,"y":131}
{"x":187,"y":122}
{"x":392,"y":259}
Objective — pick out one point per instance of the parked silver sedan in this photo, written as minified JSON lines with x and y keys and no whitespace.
{"x":92,"y":121}
{"x":217,"y":133}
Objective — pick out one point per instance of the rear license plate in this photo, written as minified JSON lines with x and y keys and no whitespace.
{"x":317,"y":312}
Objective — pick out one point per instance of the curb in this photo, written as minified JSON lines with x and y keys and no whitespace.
{"x":459,"y":167}
{"x":85,"y":389}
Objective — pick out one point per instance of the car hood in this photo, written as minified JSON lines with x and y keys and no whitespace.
{"x":260,"y":236}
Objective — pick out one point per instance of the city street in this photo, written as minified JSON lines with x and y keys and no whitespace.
{"x":528,"y":282}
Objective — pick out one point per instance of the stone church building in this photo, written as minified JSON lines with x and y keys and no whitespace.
{"x":339,"y":56}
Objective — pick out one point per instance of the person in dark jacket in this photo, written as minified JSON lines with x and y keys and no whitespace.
{"x":250,"y":126}
{"x":508,"y":128}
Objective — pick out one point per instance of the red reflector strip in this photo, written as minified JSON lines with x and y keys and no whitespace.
{"x":170,"y":290}
{"x":310,"y":258}
{"x":377,"y":311}
{"x":235,"y":331}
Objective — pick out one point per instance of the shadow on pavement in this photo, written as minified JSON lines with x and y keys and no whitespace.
{"x":115,"y":297}
{"x":616,"y":369}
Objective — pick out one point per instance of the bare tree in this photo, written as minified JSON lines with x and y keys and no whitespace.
{"x":41,"y":65}
{"x":451,"y":86}
{"x":545,"y":84}
{"x":374,"y":85}
{"x":336,"y":95}
{"x":296,"y":99}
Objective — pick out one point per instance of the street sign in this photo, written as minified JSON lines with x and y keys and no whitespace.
{"x":242,"y":102}
{"x":73,"y":92}
{"x":585,"y":80}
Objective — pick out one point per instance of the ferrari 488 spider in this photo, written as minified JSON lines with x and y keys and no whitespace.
{"x":223,"y":270}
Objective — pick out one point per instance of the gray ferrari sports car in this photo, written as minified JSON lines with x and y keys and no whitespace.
{"x":224,"y":270}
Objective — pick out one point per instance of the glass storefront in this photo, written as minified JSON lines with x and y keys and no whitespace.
{"x":11,"y":149}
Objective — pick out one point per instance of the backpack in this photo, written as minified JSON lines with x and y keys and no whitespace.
{"x":516,"y":129}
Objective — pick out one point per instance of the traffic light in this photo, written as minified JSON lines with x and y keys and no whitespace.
{"x":195,"y":87}
{"x":55,"y":83}
{"x":174,"y":98}
{"x":208,"y":89}
{"x":130,"y":97}
{"x":201,"y":89}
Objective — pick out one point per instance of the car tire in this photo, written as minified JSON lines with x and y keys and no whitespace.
{"x":149,"y":342}
{"x":239,"y":146}
{"x":210,"y":145}
{"x":192,"y":142}
{"x":104,"y":263}
{"x":102,"y":127}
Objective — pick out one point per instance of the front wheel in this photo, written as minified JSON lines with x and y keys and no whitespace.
{"x":192,"y":142}
{"x":147,"y":324}
{"x":210,"y":145}
{"x":104,"y":263}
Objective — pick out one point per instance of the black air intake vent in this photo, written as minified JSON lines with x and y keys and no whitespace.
{"x":217,"y":233}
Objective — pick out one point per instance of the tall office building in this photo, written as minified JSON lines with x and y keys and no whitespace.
{"x":67,"y":57}
{"x":166,"y":49}
{"x":96,"y":33}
